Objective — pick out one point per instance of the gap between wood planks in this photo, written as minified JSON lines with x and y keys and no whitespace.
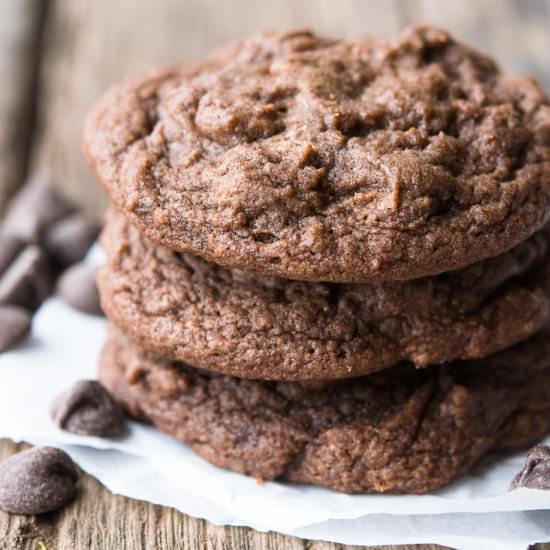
{"x":22,"y":24}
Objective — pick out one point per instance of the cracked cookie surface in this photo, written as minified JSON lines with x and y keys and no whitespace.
{"x":292,"y":155}
{"x":402,"y":431}
{"x":265,"y":328}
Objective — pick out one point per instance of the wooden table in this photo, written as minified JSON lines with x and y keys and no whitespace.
{"x":56,"y":56}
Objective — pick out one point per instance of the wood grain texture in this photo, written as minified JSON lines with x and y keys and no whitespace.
{"x":92,"y":43}
{"x":20,"y":22}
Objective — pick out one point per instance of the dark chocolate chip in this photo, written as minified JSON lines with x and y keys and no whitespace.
{"x":27,"y":281}
{"x":536,"y":472}
{"x":88,"y":409}
{"x":68,"y":240}
{"x":15,"y":324}
{"x":37,"y":481}
{"x":34,"y":208}
{"x":77,"y":286}
{"x":10,"y":246}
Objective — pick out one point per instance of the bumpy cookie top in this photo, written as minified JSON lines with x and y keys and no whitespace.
{"x":250,"y":326}
{"x":316,"y":159}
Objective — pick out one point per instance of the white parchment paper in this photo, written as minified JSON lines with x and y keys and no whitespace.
{"x":475,"y":512}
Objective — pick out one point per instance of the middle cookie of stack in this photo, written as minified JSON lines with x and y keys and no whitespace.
{"x":249,"y":326}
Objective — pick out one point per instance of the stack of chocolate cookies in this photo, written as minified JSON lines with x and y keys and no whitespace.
{"x":328,"y":260}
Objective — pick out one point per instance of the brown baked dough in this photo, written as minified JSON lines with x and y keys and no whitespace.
{"x":257,"y":327}
{"x":402,"y":431}
{"x":292,"y":155}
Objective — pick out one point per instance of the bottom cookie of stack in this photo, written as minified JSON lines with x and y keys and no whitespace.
{"x":401,"y":431}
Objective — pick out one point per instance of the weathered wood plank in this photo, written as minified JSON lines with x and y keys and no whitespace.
{"x":20,"y":22}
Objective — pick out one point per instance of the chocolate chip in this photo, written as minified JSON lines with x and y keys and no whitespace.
{"x":27,"y":281}
{"x":68,"y":240}
{"x":89,"y":409}
{"x":15,"y":324}
{"x":536,"y":472}
{"x":37,"y":481}
{"x":36,"y":207}
{"x":10,"y":246}
{"x":77,"y":286}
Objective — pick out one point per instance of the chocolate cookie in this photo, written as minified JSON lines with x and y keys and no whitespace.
{"x":402,"y":431}
{"x":327,"y":160}
{"x":251,"y":327}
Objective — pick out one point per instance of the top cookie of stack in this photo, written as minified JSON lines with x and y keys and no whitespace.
{"x":291,"y":155}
